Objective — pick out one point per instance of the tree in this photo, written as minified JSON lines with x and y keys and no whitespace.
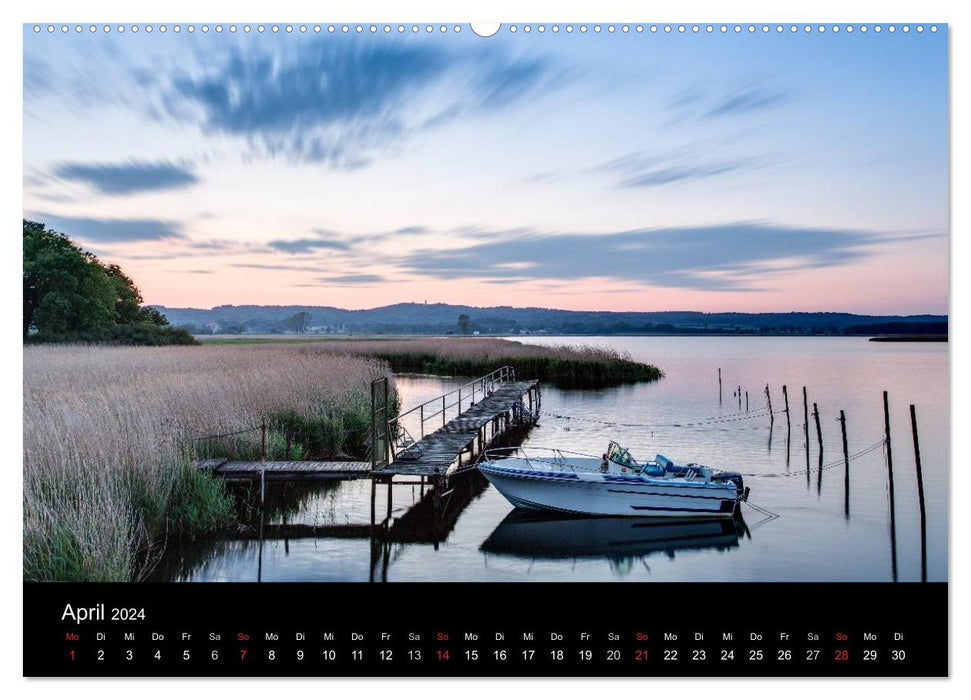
{"x":66,"y":290}
{"x":69,"y":295}
{"x":465,"y":324}
{"x":298,"y":322}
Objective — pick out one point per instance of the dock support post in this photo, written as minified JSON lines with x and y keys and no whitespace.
{"x":920,"y":497}
{"x":893,"y":513}
{"x":846,"y":468}
{"x":263,"y":463}
{"x":374,"y":488}
{"x":437,"y":495}
{"x":387,"y":520}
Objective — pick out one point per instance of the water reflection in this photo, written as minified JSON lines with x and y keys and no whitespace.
{"x":621,"y":541}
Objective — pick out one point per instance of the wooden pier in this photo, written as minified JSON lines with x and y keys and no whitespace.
{"x":283,"y":470}
{"x":453,"y":432}
{"x":467,"y":435}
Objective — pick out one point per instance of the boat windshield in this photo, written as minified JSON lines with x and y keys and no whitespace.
{"x":621,"y":455}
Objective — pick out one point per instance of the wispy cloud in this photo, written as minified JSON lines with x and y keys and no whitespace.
{"x":129,"y":177}
{"x":706,"y":102}
{"x":110,"y":230}
{"x":340,"y":103}
{"x":324,"y":240}
{"x":690,"y":163}
{"x":736,"y":257}
{"x":352,"y":279}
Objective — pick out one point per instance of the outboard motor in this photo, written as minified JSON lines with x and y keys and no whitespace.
{"x":733,"y":477}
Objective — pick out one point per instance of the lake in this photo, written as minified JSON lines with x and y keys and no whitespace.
{"x":818,"y":535}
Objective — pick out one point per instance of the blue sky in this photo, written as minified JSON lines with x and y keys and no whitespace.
{"x":777,"y":171}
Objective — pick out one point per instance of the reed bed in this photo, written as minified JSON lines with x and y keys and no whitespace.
{"x":110,"y":432}
{"x":563,"y":365}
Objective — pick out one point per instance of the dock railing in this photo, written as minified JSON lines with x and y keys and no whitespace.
{"x":439,"y":408}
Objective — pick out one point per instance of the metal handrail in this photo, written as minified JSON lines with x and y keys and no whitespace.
{"x":485,"y":385}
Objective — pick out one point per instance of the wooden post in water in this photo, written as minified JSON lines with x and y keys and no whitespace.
{"x":739,"y":398}
{"x":920,"y":497}
{"x":893,"y":514}
{"x":819,"y":431}
{"x":719,"y":385}
{"x":746,"y":400}
{"x":785,"y":395}
{"x":846,"y":468}
{"x":805,"y":418}
{"x":768,"y":396}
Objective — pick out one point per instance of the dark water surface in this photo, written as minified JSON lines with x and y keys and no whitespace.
{"x":813,"y":539}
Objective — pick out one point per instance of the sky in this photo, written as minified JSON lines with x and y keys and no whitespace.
{"x":764,"y":171}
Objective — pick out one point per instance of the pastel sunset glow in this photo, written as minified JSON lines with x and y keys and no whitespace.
{"x":611,"y":171}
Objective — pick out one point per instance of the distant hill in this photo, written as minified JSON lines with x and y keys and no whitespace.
{"x":507,"y":320}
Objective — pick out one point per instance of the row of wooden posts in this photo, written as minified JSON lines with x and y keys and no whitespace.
{"x":846,"y":459}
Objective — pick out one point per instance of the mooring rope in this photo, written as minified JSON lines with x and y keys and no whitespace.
{"x":716,"y":420}
{"x":830,"y":465}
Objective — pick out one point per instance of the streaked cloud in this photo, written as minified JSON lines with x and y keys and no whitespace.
{"x":128,"y":177}
{"x":736,"y":257}
{"x":352,"y":279}
{"x":340,"y":103}
{"x":110,"y":230}
{"x":688,"y":163}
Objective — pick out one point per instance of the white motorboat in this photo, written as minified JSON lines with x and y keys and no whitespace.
{"x":614,"y":484}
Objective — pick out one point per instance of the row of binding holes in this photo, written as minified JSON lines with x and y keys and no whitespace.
{"x":429,"y":28}
{"x":711,"y":29}
{"x":259,"y":28}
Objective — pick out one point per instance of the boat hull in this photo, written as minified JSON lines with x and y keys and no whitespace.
{"x":594,"y":494}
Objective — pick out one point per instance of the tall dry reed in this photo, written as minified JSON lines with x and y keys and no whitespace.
{"x":109,"y":433}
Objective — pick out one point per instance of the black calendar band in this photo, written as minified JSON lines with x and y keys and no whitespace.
{"x":468,"y":629}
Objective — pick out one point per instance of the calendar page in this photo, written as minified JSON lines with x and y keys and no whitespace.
{"x":516,"y":349}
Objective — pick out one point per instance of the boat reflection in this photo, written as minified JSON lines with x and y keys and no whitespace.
{"x":545,"y":535}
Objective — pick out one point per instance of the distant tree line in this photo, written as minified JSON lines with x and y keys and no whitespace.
{"x":71,"y":296}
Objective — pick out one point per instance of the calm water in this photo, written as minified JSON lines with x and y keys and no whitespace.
{"x":813,"y":539}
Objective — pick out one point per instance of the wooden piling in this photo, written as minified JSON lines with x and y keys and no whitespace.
{"x":819,"y":431}
{"x":785,"y":395}
{"x":387,"y":520}
{"x":739,"y":398}
{"x":805,"y":418}
{"x":374,"y":488}
{"x":846,"y":467}
{"x":920,"y":496}
{"x":719,"y":385}
{"x":886,"y":428}
{"x":768,"y":396}
{"x":437,"y":494}
{"x":263,"y":463}
{"x":746,"y":400}
{"x":893,"y":513}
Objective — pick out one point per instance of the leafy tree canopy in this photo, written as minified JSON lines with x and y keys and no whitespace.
{"x":71,"y":296}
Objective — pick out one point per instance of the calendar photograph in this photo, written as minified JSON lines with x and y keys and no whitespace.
{"x":529,"y":304}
